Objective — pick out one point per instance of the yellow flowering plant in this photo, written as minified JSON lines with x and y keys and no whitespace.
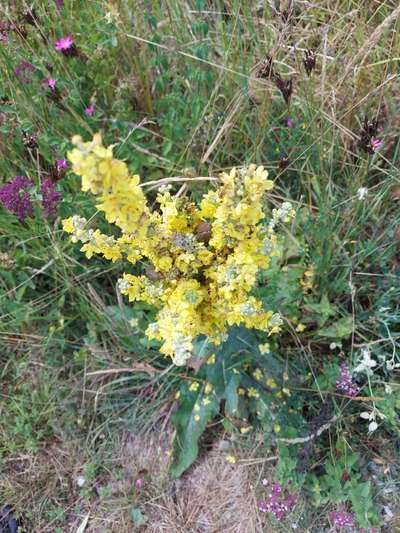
{"x":197,"y":263}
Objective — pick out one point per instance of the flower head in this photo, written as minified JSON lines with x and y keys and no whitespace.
{"x":362,"y":193}
{"x":16,"y":198}
{"x":200,"y":261}
{"x":341,"y":519}
{"x":345,"y":383}
{"x":139,"y":483}
{"x":50,"y":197}
{"x":61,"y":163}
{"x":278,"y":503}
{"x":64,"y":43}
{"x":366,"y":364}
{"x":90,"y":110}
{"x":289,"y":122}
{"x":23,"y":71}
{"x":50,"y":83}
{"x":376,"y":144}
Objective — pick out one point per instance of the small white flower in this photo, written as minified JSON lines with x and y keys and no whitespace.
{"x":80,"y":481}
{"x":388,"y":389}
{"x":366,"y":364}
{"x":333,"y":346}
{"x":373,"y":426}
{"x":362,"y":193}
{"x":365,"y":415}
{"x":390,"y":364}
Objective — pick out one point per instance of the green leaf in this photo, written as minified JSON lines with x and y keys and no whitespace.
{"x":341,"y":329}
{"x":323,"y":311}
{"x":190,"y":421}
{"x":137,"y":517}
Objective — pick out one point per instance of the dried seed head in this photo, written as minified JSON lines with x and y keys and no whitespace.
{"x":203,"y":232}
{"x":309,"y":61}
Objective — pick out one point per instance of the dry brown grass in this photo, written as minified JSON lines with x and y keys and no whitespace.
{"x":213,"y":497}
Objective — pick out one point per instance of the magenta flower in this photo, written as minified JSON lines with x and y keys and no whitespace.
{"x":289,"y":122}
{"x":16,"y":198}
{"x":139,"y":483}
{"x":59,"y":4}
{"x":5,"y":28}
{"x":345,"y":383}
{"x":341,"y":519}
{"x":65,"y":43}
{"x":50,"y":198}
{"x":376,"y":144}
{"x":50,"y":82}
{"x":278,"y":503}
{"x":90,"y":110}
{"x":61,"y":164}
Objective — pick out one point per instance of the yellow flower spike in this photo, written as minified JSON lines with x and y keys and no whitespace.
{"x":300,"y":327}
{"x":257,"y":374}
{"x":231,"y":459}
{"x":206,"y":401}
{"x":197,"y":418}
{"x":271,"y":383}
{"x":199,"y":263}
{"x":208,"y":388}
{"x":211,"y":359}
{"x":194,"y":386}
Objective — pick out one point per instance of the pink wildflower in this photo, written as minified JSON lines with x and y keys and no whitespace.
{"x":376,"y":144}
{"x":278,"y":503}
{"x":341,"y":519}
{"x":65,"y":43}
{"x":61,"y":163}
{"x":90,"y":110}
{"x":50,"y":82}
{"x":289,"y":122}
{"x":139,"y":483}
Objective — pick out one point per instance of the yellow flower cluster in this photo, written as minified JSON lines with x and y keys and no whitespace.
{"x":198,"y":263}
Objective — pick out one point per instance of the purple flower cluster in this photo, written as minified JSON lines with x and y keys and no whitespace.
{"x":23,"y":71}
{"x":345,"y":383}
{"x":4,"y":29}
{"x":50,"y":198}
{"x":279,"y":502}
{"x":341,"y":519}
{"x":16,"y":198}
